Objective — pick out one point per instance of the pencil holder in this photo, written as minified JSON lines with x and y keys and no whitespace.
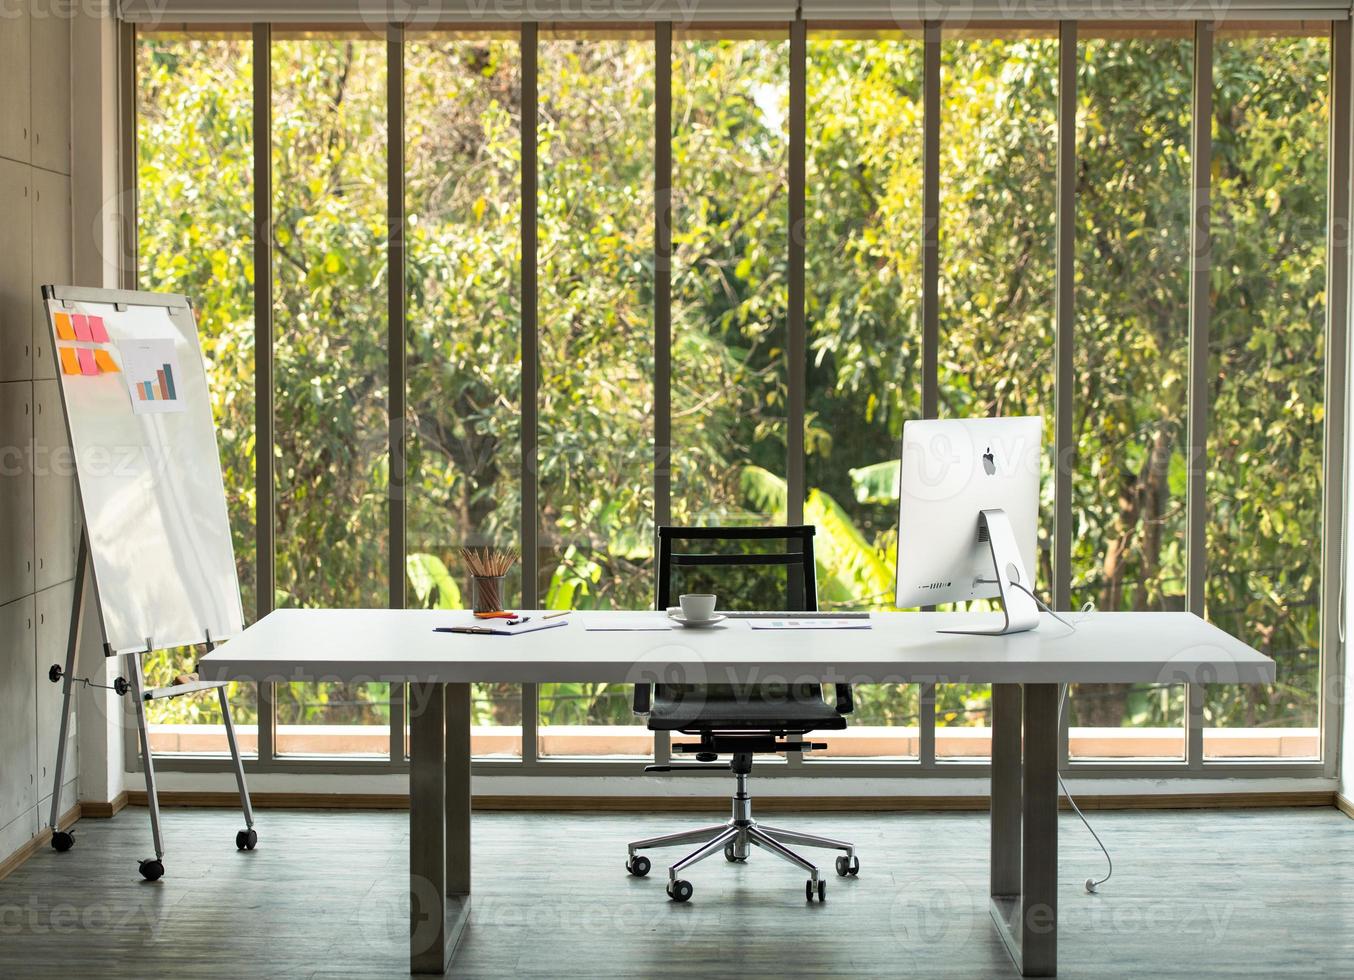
{"x":488,"y":593}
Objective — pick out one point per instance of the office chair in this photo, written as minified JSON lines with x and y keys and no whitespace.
{"x":740,"y":722}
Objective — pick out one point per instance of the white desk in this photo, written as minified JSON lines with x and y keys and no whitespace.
{"x":1025,"y":669}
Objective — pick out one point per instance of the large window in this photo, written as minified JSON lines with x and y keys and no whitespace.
{"x":194,"y":107}
{"x":595,"y":136}
{"x":1132,"y":353}
{"x":462,"y":98}
{"x":730,"y":149}
{"x":601,"y":322}
{"x":998,"y":138}
{"x":330,"y":277}
{"x":862,"y":288}
{"x":1267,"y":377}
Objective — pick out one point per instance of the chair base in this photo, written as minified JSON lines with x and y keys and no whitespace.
{"x":736,"y":837}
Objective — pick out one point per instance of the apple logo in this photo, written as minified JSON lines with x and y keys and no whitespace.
{"x":989,"y":462}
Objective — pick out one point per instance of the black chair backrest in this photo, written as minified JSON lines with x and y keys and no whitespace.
{"x":697,"y":554}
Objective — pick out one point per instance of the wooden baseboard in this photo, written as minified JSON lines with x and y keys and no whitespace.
{"x":101,"y":810}
{"x":1345,"y":805}
{"x":766,"y":804}
{"x":12,"y":863}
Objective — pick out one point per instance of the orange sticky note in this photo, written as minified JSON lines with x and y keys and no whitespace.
{"x":86,"y":356}
{"x":80,"y":323}
{"x":97,"y":331}
{"x":63,"y":327}
{"x":69,"y":364}
{"x":105,"y":361}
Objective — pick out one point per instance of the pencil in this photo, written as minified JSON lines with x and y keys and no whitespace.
{"x":556,"y":615}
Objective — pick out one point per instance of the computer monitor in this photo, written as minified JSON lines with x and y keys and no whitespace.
{"x":968,"y":515}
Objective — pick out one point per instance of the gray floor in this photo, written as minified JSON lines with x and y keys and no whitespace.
{"x":1195,"y":893}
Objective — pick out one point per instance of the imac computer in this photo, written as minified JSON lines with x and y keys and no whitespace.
{"x":968,"y":515}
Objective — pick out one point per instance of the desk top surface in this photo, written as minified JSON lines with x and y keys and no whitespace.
{"x":401,"y":645}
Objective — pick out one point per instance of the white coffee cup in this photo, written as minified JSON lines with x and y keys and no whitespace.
{"x":698,"y":608}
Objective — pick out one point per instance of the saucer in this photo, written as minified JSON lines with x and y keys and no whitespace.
{"x":696,"y":624}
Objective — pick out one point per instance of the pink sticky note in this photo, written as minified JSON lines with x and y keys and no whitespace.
{"x":87,"y":363}
{"x":81,"y":324}
{"x":97,"y":332}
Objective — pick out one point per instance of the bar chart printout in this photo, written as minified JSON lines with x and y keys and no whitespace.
{"x":151,"y":367}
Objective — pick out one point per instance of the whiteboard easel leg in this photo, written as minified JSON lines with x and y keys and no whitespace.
{"x":235,"y":758}
{"x":150,"y":869}
{"x":61,"y":840}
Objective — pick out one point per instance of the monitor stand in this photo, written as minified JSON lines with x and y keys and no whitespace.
{"x":1018,"y":607}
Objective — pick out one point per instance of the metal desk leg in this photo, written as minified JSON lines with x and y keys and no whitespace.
{"x":431,"y":941}
{"x":1025,"y":825}
{"x":458,"y":791}
{"x":1006,"y":710}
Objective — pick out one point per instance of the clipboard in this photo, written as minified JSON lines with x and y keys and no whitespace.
{"x":483,"y":629}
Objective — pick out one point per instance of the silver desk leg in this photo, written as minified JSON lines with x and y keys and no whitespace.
{"x":1025,"y":824}
{"x":439,"y":868}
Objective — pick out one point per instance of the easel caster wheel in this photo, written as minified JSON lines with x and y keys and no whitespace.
{"x":246,"y":839}
{"x":638,"y":865}
{"x":680,"y":891}
{"x":848,"y":866}
{"x":152,"y":869}
{"x":62,"y":841}
{"x":809,"y":889}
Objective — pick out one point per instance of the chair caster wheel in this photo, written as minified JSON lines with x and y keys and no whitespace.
{"x":62,"y":841}
{"x":848,"y":866}
{"x":679,"y":891}
{"x":246,"y":839}
{"x":731,"y":856}
{"x":820,"y":888}
{"x":638,"y":865}
{"x":152,"y":869}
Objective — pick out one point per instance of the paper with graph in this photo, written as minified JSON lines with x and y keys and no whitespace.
{"x":151,"y":368}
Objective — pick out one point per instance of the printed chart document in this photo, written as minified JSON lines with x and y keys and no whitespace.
{"x":810,"y":624}
{"x":151,"y":368}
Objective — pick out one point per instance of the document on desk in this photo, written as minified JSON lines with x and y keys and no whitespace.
{"x":491,"y":627}
{"x":658,"y":622}
{"x":810,"y":624}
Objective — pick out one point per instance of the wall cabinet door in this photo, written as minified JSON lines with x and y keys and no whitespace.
{"x":54,"y":511}
{"x":16,"y":270}
{"x":51,"y":257}
{"x":18,"y":714}
{"x":16,"y":491}
{"x":15,"y":131}
{"x":51,"y":86}
{"x":53,"y":624}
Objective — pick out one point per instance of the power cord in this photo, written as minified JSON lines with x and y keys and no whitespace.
{"x":1092,"y":884}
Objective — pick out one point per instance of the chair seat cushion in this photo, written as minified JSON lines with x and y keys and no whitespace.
{"x":722,"y":707}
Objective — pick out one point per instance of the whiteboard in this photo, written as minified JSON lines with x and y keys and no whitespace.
{"x":144,"y":445}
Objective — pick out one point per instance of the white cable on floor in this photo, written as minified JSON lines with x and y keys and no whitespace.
{"x":1091,"y":883}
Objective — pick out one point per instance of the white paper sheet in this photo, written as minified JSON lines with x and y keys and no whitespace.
{"x":810,"y":624}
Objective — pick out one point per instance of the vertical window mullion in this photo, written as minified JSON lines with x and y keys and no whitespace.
{"x":1333,"y":511}
{"x":1064,"y":288}
{"x":796,"y":344}
{"x":930,"y":310}
{"x":1201,"y":250}
{"x":395,"y":350}
{"x":530,"y":366}
{"x":662,"y":311}
{"x":263,"y":360}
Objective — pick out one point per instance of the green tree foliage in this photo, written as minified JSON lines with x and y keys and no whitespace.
{"x":595,"y":270}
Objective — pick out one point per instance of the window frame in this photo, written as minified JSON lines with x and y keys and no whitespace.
{"x":1333,"y":515}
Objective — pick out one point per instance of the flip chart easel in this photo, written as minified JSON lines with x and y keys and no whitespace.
{"x":155,"y":546}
